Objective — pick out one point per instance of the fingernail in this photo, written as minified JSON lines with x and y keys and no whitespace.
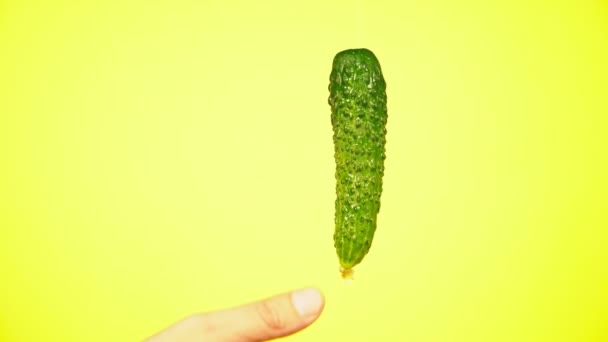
{"x":307,"y":302}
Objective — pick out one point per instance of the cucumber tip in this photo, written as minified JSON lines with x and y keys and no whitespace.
{"x":347,"y":274}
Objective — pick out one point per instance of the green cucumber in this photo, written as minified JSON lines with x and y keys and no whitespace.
{"x":358,"y":116}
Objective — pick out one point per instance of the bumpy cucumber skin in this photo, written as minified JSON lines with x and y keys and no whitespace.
{"x":358,"y":116}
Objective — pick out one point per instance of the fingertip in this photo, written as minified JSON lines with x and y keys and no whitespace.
{"x":308,"y":302}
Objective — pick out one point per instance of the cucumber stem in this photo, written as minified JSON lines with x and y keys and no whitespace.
{"x":347,"y":273}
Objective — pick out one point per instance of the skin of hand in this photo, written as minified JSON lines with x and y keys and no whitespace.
{"x":271,"y":318}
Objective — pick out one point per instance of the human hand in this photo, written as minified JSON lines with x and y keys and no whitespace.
{"x":264,"y":320}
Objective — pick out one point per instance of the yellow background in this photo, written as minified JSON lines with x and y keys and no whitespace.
{"x":164,"y":158}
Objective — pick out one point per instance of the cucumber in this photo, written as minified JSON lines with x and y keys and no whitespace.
{"x":358,"y":117}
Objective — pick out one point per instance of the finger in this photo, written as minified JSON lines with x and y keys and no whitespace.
{"x":270,"y":318}
{"x":273,"y":317}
